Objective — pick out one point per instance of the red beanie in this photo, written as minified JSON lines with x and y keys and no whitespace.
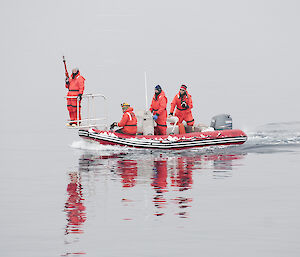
{"x":183,"y":87}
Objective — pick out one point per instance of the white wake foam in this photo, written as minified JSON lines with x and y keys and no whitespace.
{"x":94,"y":146}
{"x":277,"y":134}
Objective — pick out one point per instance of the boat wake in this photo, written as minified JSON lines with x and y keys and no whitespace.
{"x":274,"y":137}
{"x":93,"y":146}
{"x":269,"y":138}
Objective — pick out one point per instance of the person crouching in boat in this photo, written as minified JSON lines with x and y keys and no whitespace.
{"x":158,"y":108}
{"x":128,"y":122}
{"x":75,"y":85}
{"x":184,"y":104}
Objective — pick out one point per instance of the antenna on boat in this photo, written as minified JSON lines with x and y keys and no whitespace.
{"x":146,"y":94}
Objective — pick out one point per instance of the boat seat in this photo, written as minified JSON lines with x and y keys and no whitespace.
{"x":172,"y":127}
{"x":171,"y":130}
{"x":145,"y":123}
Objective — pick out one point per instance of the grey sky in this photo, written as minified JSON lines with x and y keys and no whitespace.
{"x":238,"y":57}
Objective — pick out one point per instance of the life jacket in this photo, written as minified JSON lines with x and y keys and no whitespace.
{"x":128,"y":122}
{"x":178,"y":100}
{"x":75,"y":85}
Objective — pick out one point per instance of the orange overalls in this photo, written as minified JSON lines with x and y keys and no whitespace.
{"x":76,"y":87}
{"x":128,"y":122}
{"x":158,"y":107}
{"x":183,"y":113}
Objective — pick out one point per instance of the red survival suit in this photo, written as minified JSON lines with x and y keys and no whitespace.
{"x":183,"y":113}
{"x":128,"y":122}
{"x":76,"y":87}
{"x":158,"y":107}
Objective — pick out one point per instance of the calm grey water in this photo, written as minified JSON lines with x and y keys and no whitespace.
{"x":61,"y":196}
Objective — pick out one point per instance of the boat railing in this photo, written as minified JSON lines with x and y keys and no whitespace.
{"x":89,"y":111}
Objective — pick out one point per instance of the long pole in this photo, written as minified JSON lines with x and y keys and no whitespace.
{"x":146,"y":93}
{"x":66,"y":70}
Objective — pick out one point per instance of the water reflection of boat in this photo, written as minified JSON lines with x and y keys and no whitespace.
{"x":170,"y":177}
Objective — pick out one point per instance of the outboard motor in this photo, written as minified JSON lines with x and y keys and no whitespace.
{"x":221,"y":122}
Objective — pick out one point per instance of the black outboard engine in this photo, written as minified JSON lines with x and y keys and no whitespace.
{"x":221,"y":122}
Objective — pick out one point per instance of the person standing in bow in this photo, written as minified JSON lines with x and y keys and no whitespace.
{"x":75,"y":85}
{"x":184,"y":104}
{"x":158,"y":108}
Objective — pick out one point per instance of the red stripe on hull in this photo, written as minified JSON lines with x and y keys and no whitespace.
{"x":233,"y":134}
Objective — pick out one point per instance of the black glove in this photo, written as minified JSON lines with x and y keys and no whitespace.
{"x":67,"y":81}
{"x":114,"y":124}
{"x":79,"y":97}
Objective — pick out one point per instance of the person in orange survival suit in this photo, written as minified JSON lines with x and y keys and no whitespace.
{"x":183,"y":102}
{"x":75,"y":84}
{"x":128,"y":122}
{"x":158,"y":108}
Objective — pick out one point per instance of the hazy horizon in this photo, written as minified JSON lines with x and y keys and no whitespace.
{"x":236,"y":57}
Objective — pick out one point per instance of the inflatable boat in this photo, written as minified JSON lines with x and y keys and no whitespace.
{"x":168,"y":142}
{"x":219,"y":132}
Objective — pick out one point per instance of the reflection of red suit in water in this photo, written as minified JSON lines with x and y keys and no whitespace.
{"x":184,"y":178}
{"x":160,"y":175}
{"x":160,"y":184}
{"x":74,"y":206}
{"x":128,"y":169}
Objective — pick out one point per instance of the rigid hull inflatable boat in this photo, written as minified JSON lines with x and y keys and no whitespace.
{"x":219,"y":132}
{"x":172,"y":141}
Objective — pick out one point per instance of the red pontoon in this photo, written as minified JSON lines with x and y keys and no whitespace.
{"x":175,"y":141}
